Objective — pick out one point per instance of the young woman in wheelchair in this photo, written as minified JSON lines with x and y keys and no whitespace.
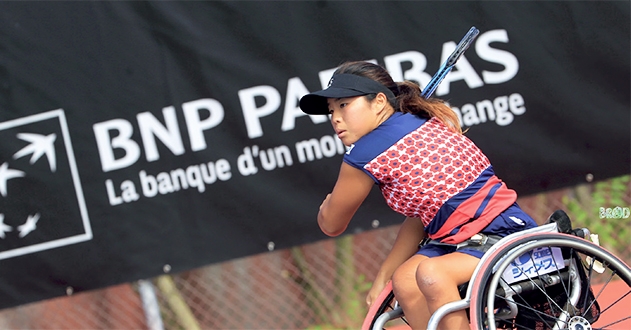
{"x":414,"y":150}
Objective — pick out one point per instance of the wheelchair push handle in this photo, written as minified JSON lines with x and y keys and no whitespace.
{"x":564,"y":225}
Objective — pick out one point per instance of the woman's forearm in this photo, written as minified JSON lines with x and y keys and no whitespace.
{"x":410,"y":235}
{"x":338,"y":208}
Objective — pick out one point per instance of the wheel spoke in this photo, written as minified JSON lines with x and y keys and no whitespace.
{"x":615,"y":302}
{"x":551,"y":301}
{"x":599,"y":293}
{"x":542,"y":290}
{"x":605,"y":327}
{"x":517,"y":325}
{"x":528,"y":307}
{"x":558,"y":270}
{"x":588,"y":289}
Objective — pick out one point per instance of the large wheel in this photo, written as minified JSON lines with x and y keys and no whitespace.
{"x":560,"y":281}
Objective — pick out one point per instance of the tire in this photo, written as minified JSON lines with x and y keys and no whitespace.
{"x":544,"y":296}
{"x":385,"y":303}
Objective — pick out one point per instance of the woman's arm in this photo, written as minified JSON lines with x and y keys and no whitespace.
{"x":339,"y":206}
{"x":411,"y":233}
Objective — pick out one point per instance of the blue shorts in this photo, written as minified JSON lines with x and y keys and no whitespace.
{"x":512,"y":220}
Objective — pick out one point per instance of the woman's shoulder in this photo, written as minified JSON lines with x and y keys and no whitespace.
{"x":383,"y":137}
{"x":402,"y":122}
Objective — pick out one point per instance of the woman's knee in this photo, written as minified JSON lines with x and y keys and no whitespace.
{"x":404,"y":282}
{"x":431,"y":278}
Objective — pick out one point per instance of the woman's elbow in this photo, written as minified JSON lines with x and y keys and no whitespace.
{"x":332,"y":233}
{"x":330,"y":228}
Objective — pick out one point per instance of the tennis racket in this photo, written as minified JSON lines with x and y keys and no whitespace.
{"x":449,"y":63}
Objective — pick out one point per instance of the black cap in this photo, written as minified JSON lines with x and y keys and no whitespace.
{"x":341,"y":85}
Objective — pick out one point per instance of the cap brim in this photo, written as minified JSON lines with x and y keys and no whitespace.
{"x":315,"y":103}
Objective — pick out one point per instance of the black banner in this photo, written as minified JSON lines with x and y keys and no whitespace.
{"x":143,"y":135}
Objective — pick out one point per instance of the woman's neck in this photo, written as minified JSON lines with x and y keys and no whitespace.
{"x":389,"y":111}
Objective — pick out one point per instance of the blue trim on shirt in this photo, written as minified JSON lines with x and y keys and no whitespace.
{"x":448,"y":208}
{"x":486,"y":200}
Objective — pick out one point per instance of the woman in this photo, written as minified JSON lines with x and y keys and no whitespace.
{"x":414,"y":150}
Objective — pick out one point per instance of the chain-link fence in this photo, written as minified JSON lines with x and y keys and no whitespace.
{"x":315,"y":286}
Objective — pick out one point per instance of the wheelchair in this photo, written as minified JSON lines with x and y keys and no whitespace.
{"x":549,"y":277}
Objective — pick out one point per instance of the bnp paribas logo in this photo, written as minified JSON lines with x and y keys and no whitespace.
{"x":41,"y":200}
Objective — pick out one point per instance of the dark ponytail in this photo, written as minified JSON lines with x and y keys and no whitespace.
{"x":411,"y":101}
{"x":408,"y":94}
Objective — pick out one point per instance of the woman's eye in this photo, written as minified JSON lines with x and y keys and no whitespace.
{"x":330,"y":111}
{"x":343,"y":105}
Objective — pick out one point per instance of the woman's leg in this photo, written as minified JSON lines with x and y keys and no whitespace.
{"x":408,"y":293}
{"x":438,"y":279}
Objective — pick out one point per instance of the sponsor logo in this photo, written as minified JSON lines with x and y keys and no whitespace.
{"x":348,"y":152}
{"x":531,"y":264}
{"x":614,"y":213}
{"x":517,"y":220}
{"x":41,"y":200}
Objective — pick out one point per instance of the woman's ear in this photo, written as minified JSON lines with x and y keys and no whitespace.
{"x":380,"y":102}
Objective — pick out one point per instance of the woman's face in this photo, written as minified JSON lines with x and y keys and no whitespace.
{"x":352,"y":118}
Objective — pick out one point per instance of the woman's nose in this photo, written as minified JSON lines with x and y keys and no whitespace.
{"x":335,"y":117}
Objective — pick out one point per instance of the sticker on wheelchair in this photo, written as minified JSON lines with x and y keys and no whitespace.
{"x":533,"y":263}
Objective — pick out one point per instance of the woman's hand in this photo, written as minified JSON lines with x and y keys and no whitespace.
{"x":410,"y":235}
{"x":374,"y":292}
{"x":325,"y":201}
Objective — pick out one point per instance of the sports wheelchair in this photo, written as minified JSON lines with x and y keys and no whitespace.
{"x":549,"y":277}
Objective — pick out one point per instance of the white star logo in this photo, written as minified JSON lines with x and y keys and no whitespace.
{"x":29,"y":225}
{"x":330,"y":82}
{"x":4,"y":228}
{"x":40,"y":145}
{"x":5,"y":174}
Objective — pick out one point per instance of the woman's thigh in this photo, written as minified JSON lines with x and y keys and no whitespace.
{"x":455,"y":268}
